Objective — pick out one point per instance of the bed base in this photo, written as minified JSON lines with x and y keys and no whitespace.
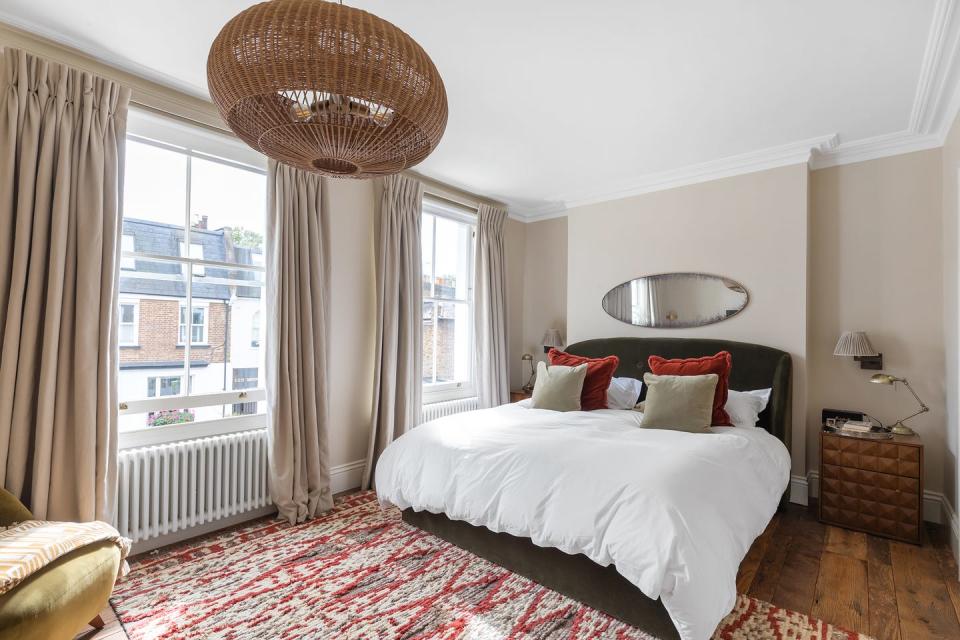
{"x":575,"y":576}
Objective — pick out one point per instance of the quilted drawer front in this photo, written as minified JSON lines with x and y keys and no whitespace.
{"x":872,"y":486}
{"x":908,"y":463}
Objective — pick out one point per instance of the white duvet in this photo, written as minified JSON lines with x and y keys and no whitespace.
{"x":674,"y":512}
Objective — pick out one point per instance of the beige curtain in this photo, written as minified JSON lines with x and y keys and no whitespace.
{"x":493,"y":380}
{"x":397,"y":376}
{"x":298,"y":323}
{"x":61,"y":172}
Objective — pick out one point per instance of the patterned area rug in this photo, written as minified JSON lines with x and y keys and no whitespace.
{"x":359,"y":572}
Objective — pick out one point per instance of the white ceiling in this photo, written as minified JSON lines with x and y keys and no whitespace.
{"x":555,"y":103}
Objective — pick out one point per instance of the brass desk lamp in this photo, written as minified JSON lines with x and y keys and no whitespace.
{"x":899,"y":428}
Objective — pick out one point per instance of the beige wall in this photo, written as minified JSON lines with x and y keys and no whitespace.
{"x":951,"y":283}
{"x":353,"y":307}
{"x":751,"y":228}
{"x":875,"y":265}
{"x":545,"y":285}
{"x":537,"y":275}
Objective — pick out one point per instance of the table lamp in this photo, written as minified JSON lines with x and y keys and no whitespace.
{"x":527,"y":357}
{"x":899,"y":428}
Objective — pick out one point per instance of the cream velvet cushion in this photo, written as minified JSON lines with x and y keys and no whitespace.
{"x":558,"y":388}
{"x":681,"y":403}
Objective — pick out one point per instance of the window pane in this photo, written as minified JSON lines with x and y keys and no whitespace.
{"x":127,"y":334}
{"x":245,"y":378}
{"x":453,"y":342}
{"x":228,"y":202}
{"x":426,"y":252}
{"x":153,"y":293}
{"x":127,"y":245}
{"x":428,"y":325}
{"x":452,"y":277}
{"x":154,"y":199}
{"x":227,"y":360}
{"x":158,"y":418}
{"x":196,"y":252}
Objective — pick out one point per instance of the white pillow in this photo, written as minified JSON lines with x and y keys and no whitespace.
{"x":744,"y":407}
{"x":623,"y":393}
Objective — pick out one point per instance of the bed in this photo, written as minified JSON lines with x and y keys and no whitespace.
{"x":649,"y":526}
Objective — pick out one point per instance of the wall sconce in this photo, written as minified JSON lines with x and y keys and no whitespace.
{"x":857,"y":345}
{"x":551,"y":338}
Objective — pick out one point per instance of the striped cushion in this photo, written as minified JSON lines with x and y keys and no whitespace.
{"x":28,"y":547}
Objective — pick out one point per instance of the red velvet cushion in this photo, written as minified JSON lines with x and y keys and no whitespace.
{"x":599,"y":373}
{"x":719,"y":364}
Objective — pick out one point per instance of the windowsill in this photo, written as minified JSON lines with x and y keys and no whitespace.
{"x":450,"y":394}
{"x":194,"y":345}
{"x":429,"y":402}
{"x":159,"y":435}
{"x":129,"y":346}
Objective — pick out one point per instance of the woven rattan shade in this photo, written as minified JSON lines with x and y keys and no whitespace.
{"x":327,"y":88}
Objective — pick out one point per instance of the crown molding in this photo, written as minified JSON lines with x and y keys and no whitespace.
{"x":935,"y":103}
{"x":935,"y":107}
{"x":891,"y":144}
{"x":770,"y":158}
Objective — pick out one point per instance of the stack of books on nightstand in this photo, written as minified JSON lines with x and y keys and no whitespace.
{"x":855,"y":427}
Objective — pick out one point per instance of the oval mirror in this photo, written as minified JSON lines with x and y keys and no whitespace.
{"x":676,"y":300}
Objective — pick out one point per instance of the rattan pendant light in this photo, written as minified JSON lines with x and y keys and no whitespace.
{"x":327,"y":88}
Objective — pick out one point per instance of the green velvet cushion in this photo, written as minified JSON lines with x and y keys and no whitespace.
{"x":11,"y":510}
{"x":58,"y":601}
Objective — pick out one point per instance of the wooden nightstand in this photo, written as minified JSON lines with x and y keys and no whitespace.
{"x":875,"y":486}
{"x":517,"y":396}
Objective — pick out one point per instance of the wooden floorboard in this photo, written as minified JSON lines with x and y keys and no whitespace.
{"x":887,"y":590}
{"x":842,"y":596}
{"x":923,"y":601}
{"x":796,"y":587}
{"x":882,"y":595}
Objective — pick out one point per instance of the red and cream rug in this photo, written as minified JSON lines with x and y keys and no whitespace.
{"x":359,"y":572}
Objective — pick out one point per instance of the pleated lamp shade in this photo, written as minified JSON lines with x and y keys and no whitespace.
{"x":854,"y":343}
{"x":552,"y":338}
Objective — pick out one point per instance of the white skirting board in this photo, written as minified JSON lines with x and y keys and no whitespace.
{"x":344,"y":477}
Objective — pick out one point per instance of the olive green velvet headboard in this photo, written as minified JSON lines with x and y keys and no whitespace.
{"x":754,"y":367}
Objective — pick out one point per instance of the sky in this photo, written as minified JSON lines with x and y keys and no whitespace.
{"x":155,"y":188}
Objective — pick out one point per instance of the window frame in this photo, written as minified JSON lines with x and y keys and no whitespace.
{"x":155,"y":435}
{"x":440,"y":207}
{"x":154,"y":383}
{"x":132,"y":302}
{"x":204,"y":305}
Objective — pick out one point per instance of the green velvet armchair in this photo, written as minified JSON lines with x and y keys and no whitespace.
{"x":61,"y":599}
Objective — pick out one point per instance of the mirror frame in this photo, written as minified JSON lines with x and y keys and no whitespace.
{"x":681,"y":325}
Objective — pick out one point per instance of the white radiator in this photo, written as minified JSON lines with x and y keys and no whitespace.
{"x":172,"y":487}
{"x":436,"y":410}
